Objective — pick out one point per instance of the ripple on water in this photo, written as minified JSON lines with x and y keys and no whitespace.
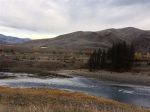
{"x":138,"y":95}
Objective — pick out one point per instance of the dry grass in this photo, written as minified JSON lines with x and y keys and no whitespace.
{"x":44,"y":100}
{"x":15,"y":58}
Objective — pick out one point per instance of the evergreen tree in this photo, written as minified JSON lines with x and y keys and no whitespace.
{"x":92,"y":61}
{"x":103,"y":60}
{"x":99,"y":55}
{"x":119,"y":57}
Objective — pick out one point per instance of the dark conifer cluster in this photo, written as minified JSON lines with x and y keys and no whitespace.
{"x":97,"y":60}
{"x":119,"y":57}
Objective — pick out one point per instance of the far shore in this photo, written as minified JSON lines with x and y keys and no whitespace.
{"x":135,"y":78}
{"x":140,"y":78}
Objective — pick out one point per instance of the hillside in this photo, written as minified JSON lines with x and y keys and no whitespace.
{"x":12,"y":40}
{"x":102,"y":39}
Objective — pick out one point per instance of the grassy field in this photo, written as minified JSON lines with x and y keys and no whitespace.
{"x":14,"y":58}
{"x":46,"y":100}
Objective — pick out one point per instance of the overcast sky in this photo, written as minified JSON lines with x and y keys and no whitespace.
{"x":49,"y":18}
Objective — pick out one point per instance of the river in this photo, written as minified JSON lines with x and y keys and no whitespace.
{"x":130,"y":94}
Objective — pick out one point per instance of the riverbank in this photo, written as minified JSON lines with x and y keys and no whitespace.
{"x":133,"y":77}
{"x":136,"y":78}
{"x":35,"y":73}
{"x":49,"y":100}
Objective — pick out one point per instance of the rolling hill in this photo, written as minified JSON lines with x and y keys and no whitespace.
{"x":99,"y":39}
{"x":12,"y":40}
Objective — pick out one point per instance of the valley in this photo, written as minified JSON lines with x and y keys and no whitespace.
{"x":65,"y":59}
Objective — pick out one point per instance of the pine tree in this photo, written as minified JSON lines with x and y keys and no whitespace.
{"x":103,"y":59}
{"x":121,"y":56}
{"x":99,"y":55}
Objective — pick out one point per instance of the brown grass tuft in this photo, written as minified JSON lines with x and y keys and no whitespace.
{"x":46,"y":100}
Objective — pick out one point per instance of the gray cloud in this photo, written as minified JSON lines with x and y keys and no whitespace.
{"x":63,"y":16}
{"x":129,"y":2}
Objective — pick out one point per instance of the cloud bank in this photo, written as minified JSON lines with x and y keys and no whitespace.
{"x":43,"y":18}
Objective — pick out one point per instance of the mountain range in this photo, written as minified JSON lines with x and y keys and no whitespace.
{"x":99,"y":39}
{"x":12,"y":40}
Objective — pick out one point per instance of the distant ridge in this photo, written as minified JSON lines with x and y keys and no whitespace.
{"x":12,"y":40}
{"x":99,"y":39}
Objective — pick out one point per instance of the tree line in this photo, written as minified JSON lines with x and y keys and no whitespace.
{"x":119,"y":57}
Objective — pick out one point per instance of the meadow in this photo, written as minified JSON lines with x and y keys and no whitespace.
{"x":50,"y":100}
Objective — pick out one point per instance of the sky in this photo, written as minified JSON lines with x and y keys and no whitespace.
{"x":38,"y":19}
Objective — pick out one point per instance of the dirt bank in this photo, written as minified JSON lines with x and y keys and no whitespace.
{"x":140,"y":78}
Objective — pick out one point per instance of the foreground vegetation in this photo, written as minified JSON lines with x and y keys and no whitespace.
{"x":44,"y":100}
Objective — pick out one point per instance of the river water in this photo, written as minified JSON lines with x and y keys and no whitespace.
{"x":130,"y":94}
